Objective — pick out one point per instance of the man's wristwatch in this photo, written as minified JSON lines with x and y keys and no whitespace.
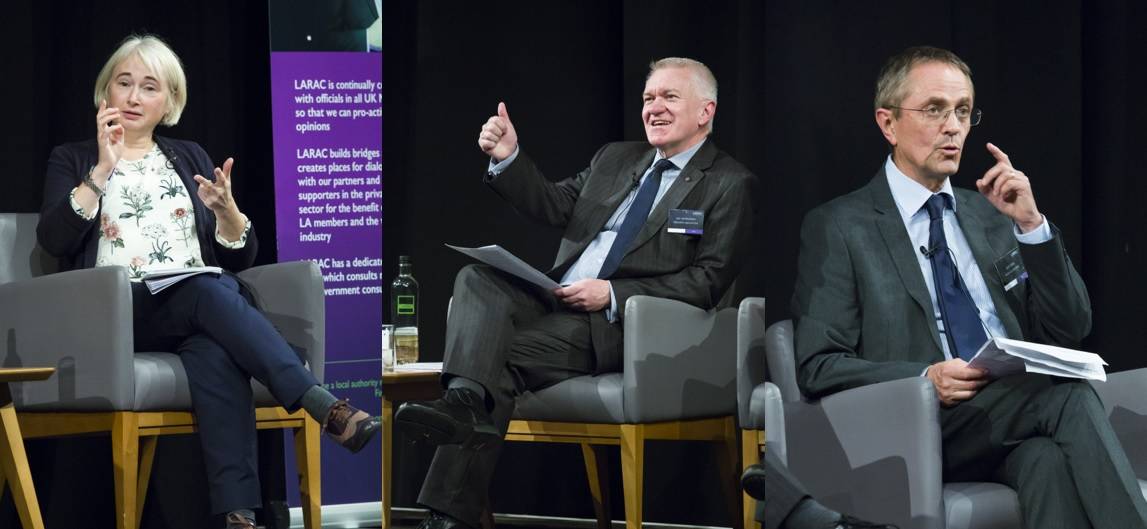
{"x":99,"y":191}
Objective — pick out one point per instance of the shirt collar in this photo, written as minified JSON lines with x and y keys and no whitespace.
{"x":908,"y":194}
{"x":682,"y":158}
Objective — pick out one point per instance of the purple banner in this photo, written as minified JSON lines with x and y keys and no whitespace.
{"x":327,"y":126}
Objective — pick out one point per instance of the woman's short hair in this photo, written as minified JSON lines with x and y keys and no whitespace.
{"x":161,"y":60}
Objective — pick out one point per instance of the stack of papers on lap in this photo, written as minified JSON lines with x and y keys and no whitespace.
{"x":158,"y":280}
{"x":1003,"y":356}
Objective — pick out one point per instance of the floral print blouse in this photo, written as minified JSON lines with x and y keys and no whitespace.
{"x":146,"y":219}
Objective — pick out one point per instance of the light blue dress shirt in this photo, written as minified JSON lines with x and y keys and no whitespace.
{"x":588,"y":265}
{"x":910,"y":197}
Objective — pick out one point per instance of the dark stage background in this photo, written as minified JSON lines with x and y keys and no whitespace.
{"x":1059,"y":83}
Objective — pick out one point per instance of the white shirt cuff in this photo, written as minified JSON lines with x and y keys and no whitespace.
{"x":1039,"y":235}
{"x":497,"y":168}
{"x":235,"y":245}
{"x":80,"y":209}
{"x":611,"y":312}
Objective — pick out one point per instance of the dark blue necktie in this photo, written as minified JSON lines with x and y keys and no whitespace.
{"x":635,"y":219}
{"x":961,"y":318}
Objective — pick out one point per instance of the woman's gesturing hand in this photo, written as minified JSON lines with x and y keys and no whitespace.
{"x":110,"y":136}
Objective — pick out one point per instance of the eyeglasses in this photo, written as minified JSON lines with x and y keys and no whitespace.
{"x":936,"y":115}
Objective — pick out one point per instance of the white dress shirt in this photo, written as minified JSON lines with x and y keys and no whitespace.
{"x":910,"y":197}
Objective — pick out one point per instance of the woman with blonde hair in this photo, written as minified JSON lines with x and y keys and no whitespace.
{"x":131,"y":198}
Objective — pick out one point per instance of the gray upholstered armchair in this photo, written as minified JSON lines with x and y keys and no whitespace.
{"x":889,"y":434}
{"x":102,"y":385}
{"x":677,"y":383}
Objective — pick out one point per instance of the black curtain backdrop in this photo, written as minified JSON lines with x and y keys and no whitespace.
{"x":1058,"y":81}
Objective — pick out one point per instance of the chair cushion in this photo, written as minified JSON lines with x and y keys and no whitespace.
{"x":976,"y":505}
{"x":161,"y":384}
{"x":596,"y":399}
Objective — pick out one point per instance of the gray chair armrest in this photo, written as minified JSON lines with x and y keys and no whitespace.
{"x":752,"y":369}
{"x":291,"y":296}
{"x":1124,"y":397}
{"x":80,"y":323}
{"x":679,"y":361}
{"x":768,"y":409}
{"x":782,"y":359}
{"x":871,"y":451}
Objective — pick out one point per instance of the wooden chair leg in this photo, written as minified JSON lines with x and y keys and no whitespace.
{"x":125,"y":467}
{"x":146,"y":459}
{"x":387,"y":450}
{"x":633,"y":472}
{"x":14,"y":461}
{"x":729,"y":468}
{"x":307,"y":460}
{"x":750,"y":455}
{"x":598,"y":477}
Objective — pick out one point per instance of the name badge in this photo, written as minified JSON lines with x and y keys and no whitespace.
{"x":1011,"y":269}
{"x":687,"y":221}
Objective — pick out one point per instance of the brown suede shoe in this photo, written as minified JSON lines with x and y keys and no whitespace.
{"x":237,"y":521}
{"x":349,"y":426}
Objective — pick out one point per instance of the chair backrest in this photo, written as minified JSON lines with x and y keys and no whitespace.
{"x":20,"y":256}
{"x":780,"y":355}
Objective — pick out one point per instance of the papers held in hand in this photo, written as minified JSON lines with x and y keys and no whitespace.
{"x":1003,"y":356}
{"x":499,"y":258}
{"x":157,"y":280}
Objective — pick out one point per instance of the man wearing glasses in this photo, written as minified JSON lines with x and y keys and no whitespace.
{"x":909,"y":276}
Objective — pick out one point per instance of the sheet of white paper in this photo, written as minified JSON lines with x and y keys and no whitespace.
{"x":1003,"y":356}
{"x":1060,"y":354}
{"x":1092,"y":371}
{"x":419,"y":366}
{"x":997,"y":361}
{"x":499,"y":258}
{"x":158,"y":280}
{"x":1050,"y":370}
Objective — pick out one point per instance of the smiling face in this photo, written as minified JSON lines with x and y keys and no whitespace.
{"x":676,"y":117}
{"x":139,"y":94}
{"x":926,"y":151}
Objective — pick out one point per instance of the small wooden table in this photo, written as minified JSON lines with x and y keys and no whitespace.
{"x":400,"y":386}
{"x":13,"y":459}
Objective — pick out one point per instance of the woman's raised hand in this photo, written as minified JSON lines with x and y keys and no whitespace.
{"x":110,"y":136}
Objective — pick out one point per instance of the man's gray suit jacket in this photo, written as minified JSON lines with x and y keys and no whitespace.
{"x":695,"y":269}
{"x":863,"y":311}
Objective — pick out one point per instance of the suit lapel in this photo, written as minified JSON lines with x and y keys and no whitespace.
{"x":618,"y":190}
{"x":693,"y":173}
{"x":985,"y":254}
{"x":621,"y":187}
{"x":899,"y":248}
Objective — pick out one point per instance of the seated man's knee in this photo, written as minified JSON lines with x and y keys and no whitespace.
{"x":1078,"y":393}
{"x":474,"y":277}
{"x":1042,"y":451}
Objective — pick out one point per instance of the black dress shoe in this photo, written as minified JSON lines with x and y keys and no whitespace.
{"x":437,"y":520}
{"x":459,"y":417}
{"x":848,"y":522}
{"x":753,"y":481}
